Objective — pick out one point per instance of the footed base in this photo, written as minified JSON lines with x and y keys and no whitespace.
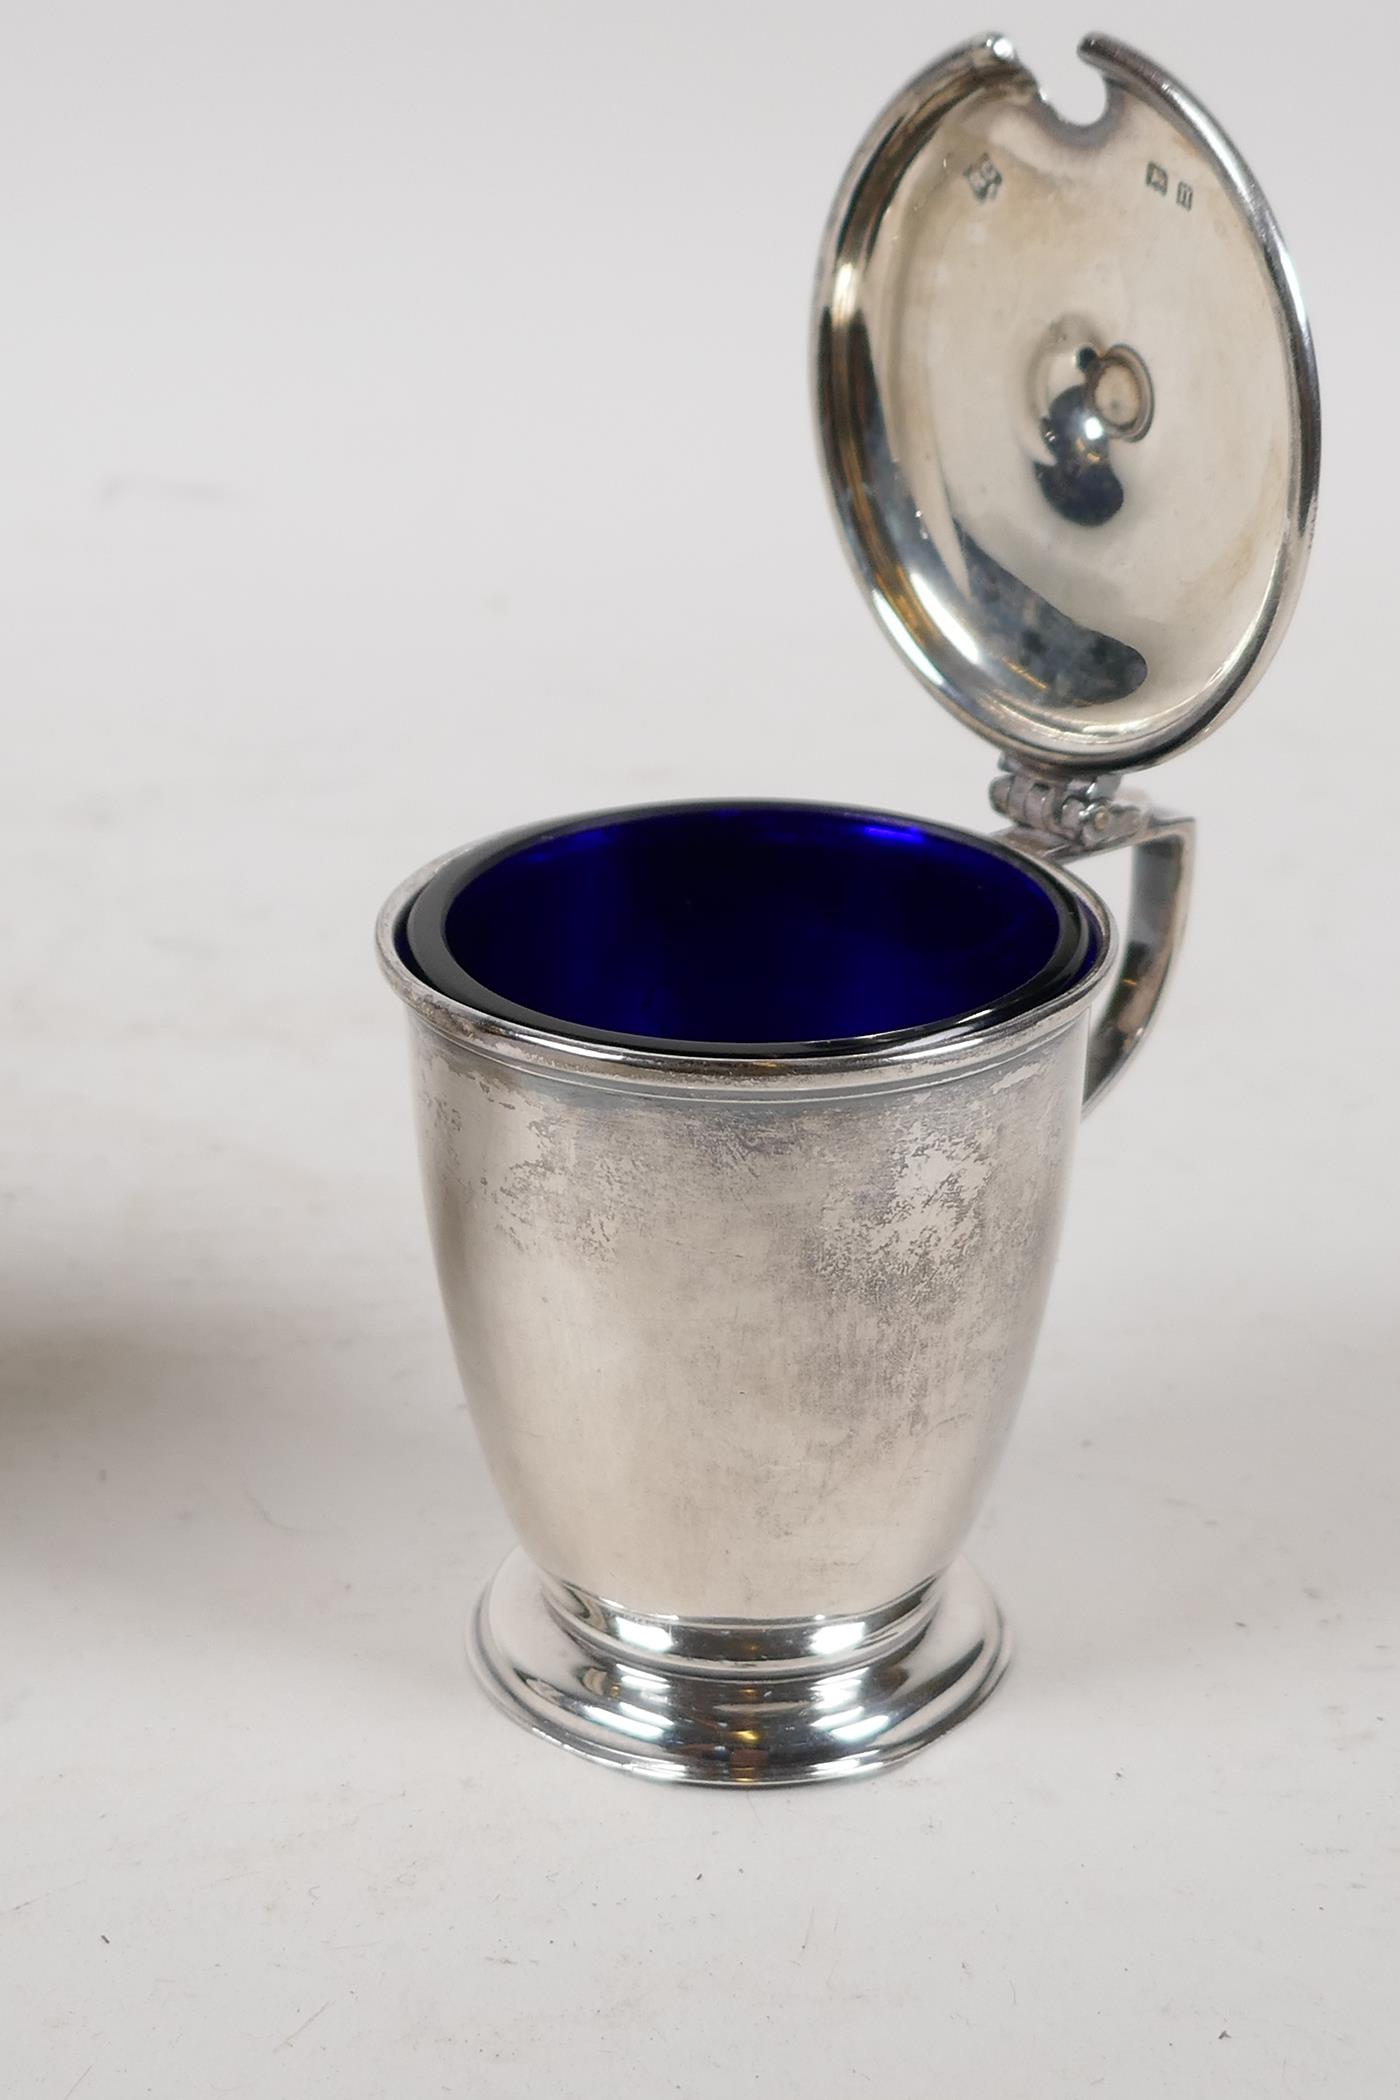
{"x":740,"y":1705}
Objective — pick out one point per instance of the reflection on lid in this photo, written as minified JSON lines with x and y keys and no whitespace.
{"x":1042,"y":644}
{"x":993,"y":619}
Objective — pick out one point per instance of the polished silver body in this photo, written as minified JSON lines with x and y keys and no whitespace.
{"x":743,"y":1340}
{"x":743,"y":1337}
{"x":744,"y":1344}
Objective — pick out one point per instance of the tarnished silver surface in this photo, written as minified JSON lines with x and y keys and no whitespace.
{"x":1068,"y":406}
{"x":749,"y":1354}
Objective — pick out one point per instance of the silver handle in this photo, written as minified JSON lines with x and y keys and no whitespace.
{"x":1161,"y":893}
{"x":1163,"y":848}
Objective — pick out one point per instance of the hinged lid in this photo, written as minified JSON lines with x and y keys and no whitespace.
{"x":1068,"y":406}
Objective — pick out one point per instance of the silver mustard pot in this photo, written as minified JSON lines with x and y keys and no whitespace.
{"x":746,"y":1127}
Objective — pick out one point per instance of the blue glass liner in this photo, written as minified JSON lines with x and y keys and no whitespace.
{"x":742,"y":928}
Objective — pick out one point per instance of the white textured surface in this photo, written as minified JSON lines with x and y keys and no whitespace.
{"x":405,"y":434}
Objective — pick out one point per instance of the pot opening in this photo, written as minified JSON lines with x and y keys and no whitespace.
{"x":747,"y":929}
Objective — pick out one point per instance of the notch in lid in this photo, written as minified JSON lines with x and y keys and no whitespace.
{"x":1068,"y":407}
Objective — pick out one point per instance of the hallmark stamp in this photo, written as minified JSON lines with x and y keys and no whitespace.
{"x":984,"y":178}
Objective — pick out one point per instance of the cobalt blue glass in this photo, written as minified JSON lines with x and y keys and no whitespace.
{"x":747,"y":928}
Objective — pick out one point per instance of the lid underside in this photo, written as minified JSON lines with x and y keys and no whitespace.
{"x":1068,"y":406}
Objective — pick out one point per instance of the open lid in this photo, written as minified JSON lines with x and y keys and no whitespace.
{"x":1068,"y":406}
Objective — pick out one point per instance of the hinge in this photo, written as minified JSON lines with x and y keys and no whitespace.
{"x":1083,"y":810}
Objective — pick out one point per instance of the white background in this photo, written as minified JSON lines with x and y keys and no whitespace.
{"x":404,"y":434}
